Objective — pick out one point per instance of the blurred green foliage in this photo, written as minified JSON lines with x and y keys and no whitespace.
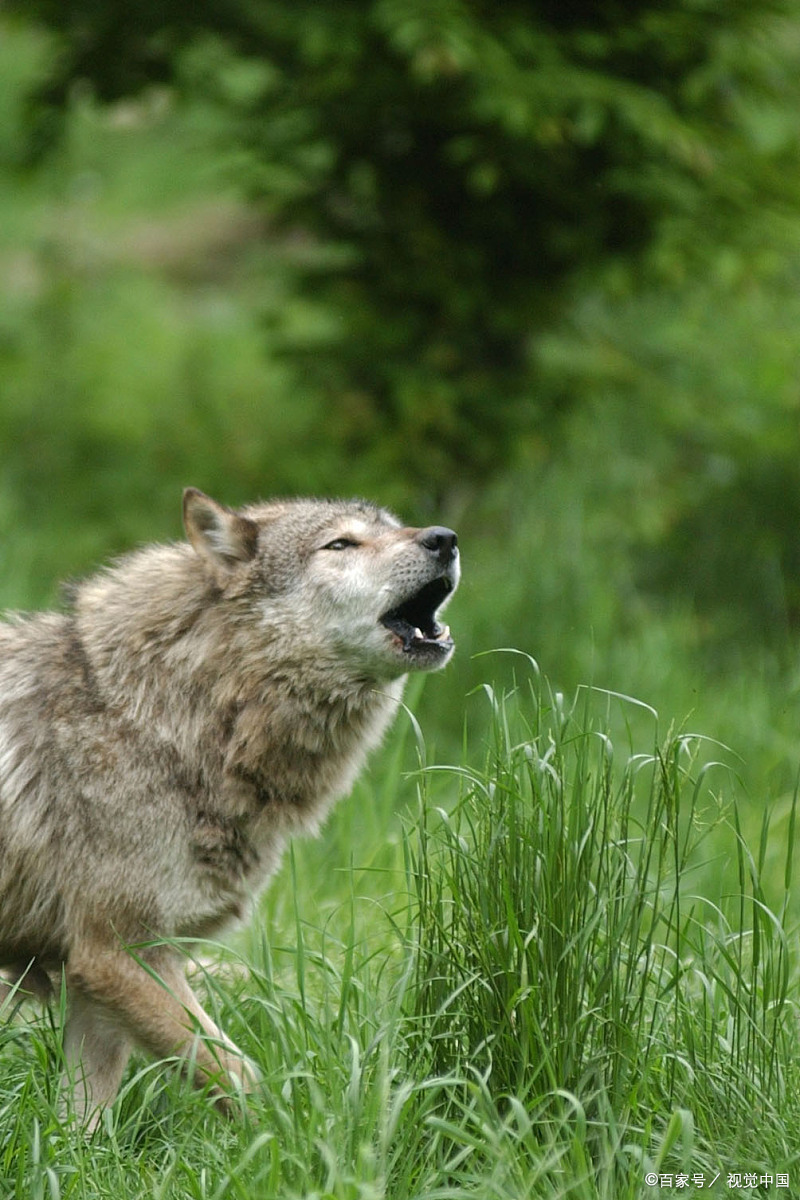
{"x":447,"y":172}
{"x":529,"y":268}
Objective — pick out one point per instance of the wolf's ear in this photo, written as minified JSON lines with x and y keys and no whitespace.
{"x":218,"y":534}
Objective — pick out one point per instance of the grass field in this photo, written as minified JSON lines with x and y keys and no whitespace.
{"x":552,"y":969}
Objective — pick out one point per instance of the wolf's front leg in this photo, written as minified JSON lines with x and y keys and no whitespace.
{"x":111,"y":991}
{"x":96,"y":1050}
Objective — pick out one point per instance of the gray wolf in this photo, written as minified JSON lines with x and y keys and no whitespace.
{"x":196,"y":705}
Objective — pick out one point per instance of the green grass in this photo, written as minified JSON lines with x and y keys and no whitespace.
{"x":545,"y":970}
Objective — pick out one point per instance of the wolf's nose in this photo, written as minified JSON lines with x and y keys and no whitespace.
{"x":439,"y":540}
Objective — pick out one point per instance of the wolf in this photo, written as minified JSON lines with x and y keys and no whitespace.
{"x":160,"y":740}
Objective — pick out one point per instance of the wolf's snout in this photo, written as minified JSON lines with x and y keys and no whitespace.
{"x":440,"y":541}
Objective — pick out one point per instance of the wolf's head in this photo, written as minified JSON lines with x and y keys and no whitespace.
{"x":345,"y":577}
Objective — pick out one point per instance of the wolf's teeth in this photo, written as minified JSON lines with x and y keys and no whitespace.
{"x":444,"y":635}
{"x":418,"y":635}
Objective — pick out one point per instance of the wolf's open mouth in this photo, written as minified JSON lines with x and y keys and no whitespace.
{"x":414,"y":621}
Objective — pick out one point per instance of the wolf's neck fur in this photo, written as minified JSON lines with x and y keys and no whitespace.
{"x":260,"y":705}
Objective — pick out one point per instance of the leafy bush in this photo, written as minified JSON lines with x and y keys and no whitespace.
{"x":444,"y":173}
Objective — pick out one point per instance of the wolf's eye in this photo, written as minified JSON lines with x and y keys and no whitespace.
{"x":342,"y":543}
